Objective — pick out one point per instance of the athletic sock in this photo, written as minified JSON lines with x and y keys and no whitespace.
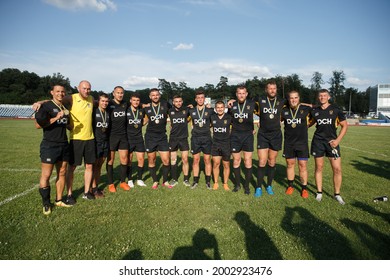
{"x":174,"y":171}
{"x":152,"y":171}
{"x":110,"y":174}
{"x":140,"y":172}
{"x":290,"y":183}
{"x":123,"y":172}
{"x":45,"y":194}
{"x":271,"y":175}
{"x":237,"y":176}
{"x":248,"y":177}
{"x":208,"y":179}
{"x":260,"y":176}
{"x":129,"y":172}
{"x":165,"y":171}
{"x":304,"y":187}
{"x":196,"y":179}
{"x":186,"y":177}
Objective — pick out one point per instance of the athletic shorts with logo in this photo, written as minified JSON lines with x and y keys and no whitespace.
{"x":296,"y":151}
{"x":118,"y":142}
{"x":241,"y":142}
{"x":80,"y":149}
{"x":155,"y":142}
{"x":221,"y":149}
{"x":102,"y":148}
{"x":136,"y":144}
{"x":320,"y":148}
{"x":270,"y":140}
{"x":176,"y":144}
{"x":52,"y":152}
{"x":201,"y":144}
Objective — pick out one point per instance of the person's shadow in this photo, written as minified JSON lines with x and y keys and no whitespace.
{"x":322,"y":241}
{"x":201,"y":241}
{"x":259,"y":245}
{"x":133,"y":255}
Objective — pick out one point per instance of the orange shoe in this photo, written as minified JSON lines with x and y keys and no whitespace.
{"x":226,"y":187}
{"x":111,"y":188}
{"x":124,"y":186}
{"x":305,"y":193}
{"x":215,"y":186}
{"x":155,"y":186}
{"x":289,"y":190}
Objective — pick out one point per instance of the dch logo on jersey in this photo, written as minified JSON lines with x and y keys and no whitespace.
{"x":102,"y":125}
{"x":270,"y":111}
{"x":220,"y":129}
{"x":119,"y":114}
{"x":62,"y":121}
{"x":137,"y":121}
{"x":241,"y":115}
{"x":296,"y":121}
{"x":157,"y":117}
{"x":324,"y":121}
{"x":179,"y":120}
{"x":199,"y":121}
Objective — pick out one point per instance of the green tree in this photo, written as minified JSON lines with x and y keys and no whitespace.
{"x":337,"y":88}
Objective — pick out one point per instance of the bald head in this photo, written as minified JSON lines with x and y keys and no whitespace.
{"x":84,"y":89}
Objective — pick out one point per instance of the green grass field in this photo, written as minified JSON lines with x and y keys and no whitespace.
{"x":198,"y":224}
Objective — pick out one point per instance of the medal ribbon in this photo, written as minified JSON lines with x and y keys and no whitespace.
{"x":158,"y":109}
{"x":200,"y":116}
{"x":269,"y":103}
{"x":294,"y":116}
{"x":104,"y":118}
{"x":241,"y":110}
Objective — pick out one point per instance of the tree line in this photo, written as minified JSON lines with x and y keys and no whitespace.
{"x":17,"y":87}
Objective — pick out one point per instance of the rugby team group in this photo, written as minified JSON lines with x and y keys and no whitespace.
{"x":101,"y":128}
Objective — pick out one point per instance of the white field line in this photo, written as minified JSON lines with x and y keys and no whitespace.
{"x":20,"y":170}
{"x":35,"y":187}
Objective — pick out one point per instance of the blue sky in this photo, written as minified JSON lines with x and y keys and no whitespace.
{"x":133,"y":43}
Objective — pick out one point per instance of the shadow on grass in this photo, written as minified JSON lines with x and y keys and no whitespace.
{"x":322,"y":241}
{"x":134,"y":255}
{"x":201,"y":241}
{"x":259,"y":245}
{"x":371,"y":210}
{"x":377,"y":167}
{"x":376,"y":242}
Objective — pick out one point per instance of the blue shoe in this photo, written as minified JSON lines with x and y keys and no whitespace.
{"x":269,"y":190}
{"x":258,"y":192}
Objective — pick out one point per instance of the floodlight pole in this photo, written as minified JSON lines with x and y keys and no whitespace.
{"x":350,"y":99}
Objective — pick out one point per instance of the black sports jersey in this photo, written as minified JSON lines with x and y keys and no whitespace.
{"x":296,"y":124}
{"x":269,"y":113}
{"x":242,"y":116}
{"x":179,"y":122}
{"x":100,"y":123}
{"x":117,"y":117}
{"x":201,"y":121}
{"x":157,"y":116}
{"x":327,"y":121}
{"x":221,"y":127}
{"x":55,"y":132}
{"x":134,"y":122}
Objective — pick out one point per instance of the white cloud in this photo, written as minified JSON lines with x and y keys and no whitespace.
{"x":140,"y":82}
{"x":354,"y":81}
{"x":97,"y":5}
{"x":182,"y":46}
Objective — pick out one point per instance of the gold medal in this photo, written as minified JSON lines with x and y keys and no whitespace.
{"x":136,"y":126}
{"x":157,"y":121}
{"x":294,"y":125}
{"x":271,"y":116}
{"x":240,"y":120}
{"x":201,"y":125}
{"x":66,"y":112}
{"x":104,"y":129}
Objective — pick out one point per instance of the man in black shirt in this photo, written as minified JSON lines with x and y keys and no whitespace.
{"x":201,"y":138}
{"x":220,"y":150}
{"x":178,"y":139}
{"x":241,"y":138}
{"x":118,"y":139}
{"x":156,"y":137}
{"x":327,"y":118}
{"x":296,"y":118}
{"x":269,"y":137}
{"x":135,"y":121}
{"x":100,"y":122}
{"x":53,"y":117}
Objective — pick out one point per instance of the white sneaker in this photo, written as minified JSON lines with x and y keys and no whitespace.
{"x":141,"y":183}
{"x":339,"y":199}
{"x":130,"y":183}
{"x":319,"y":196}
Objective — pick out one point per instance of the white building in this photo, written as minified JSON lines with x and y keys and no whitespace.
{"x":380,"y":99}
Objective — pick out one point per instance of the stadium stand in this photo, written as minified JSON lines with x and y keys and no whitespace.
{"x":15,"y":111}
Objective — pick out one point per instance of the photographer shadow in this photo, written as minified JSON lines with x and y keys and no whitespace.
{"x":201,"y":241}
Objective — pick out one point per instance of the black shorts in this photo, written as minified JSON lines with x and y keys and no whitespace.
{"x":296,"y":151}
{"x":118,"y":142}
{"x":320,"y":148}
{"x":101,"y":149}
{"x":80,"y":149}
{"x":201,"y":144}
{"x":52,"y":153}
{"x":155,"y":143}
{"x":241,"y":142}
{"x":137,"y":145}
{"x":176,"y":144}
{"x":221,"y":149}
{"x":270,"y":140}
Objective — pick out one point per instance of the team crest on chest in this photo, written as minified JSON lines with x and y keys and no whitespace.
{"x":331,"y":112}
